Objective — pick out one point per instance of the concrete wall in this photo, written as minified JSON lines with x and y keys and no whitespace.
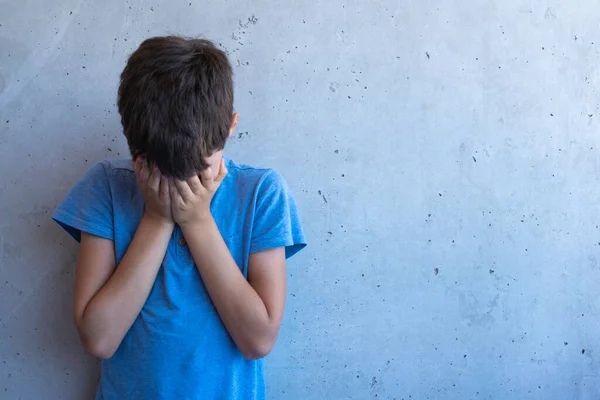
{"x":444,"y":155}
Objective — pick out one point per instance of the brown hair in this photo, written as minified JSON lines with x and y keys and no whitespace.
{"x":176,"y":103}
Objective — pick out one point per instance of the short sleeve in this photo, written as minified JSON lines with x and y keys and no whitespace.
{"x":88,"y":206}
{"x":276,"y":221}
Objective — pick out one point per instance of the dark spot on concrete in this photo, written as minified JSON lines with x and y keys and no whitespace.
{"x":151,"y":8}
{"x":436,"y":271}
{"x":428,"y":56}
{"x":552,"y":115}
{"x":492,"y":271}
{"x":465,"y":356}
{"x":474,"y":159}
{"x":582,"y":351}
{"x":242,"y":134}
{"x":440,"y":194}
{"x":566,"y":343}
{"x":590,"y":115}
{"x":83,"y":66}
{"x":336,"y":151}
{"x":109,"y":149}
{"x":71,"y":13}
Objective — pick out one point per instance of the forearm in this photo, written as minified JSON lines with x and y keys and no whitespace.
{"x":111,"y":312}
{"x":239,"y":306}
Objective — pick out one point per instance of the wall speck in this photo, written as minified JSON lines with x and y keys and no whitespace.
{"x":427,"y":54}
{"x":322,"y":195}
{"x":582,"y":351}
{"x":373,"y":381}
{"x":492,"y":271}
{"x":436,"y":271}
{"x":566,"y":343}
{"x":336,"y":151}
{"x":474,"y":159}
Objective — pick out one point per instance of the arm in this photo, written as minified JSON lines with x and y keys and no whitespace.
{"x":107,"y":299}
{"x":252,"y":309}
{"x":105,"y":303}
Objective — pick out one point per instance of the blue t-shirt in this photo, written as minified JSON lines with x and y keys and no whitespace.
{"x":178,"y":348}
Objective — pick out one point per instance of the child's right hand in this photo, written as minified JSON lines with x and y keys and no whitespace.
{"x":155,"y":189}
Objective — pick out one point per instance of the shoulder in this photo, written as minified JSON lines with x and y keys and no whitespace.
{"x":254,"y":178}
{"x":108,"y":168}
{"x":116,"y":166}
{"x":116,"y":172}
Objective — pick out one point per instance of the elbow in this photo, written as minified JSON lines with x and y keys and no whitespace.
{"x":97,"y":348}
{"x":96,"y":343}
{"x":259,"y":348}
{"x":256,"y":353}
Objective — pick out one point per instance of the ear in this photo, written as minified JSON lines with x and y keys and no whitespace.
{"x":234,"y":121}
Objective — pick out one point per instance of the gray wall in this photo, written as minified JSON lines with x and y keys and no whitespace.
{"x":444,"y":155}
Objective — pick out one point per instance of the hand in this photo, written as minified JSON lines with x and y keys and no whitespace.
{"x":190,"y":198}
{"x":155,"y":189}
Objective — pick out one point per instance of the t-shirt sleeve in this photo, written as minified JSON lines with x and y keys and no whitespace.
{"x":276,"y":220}
{"x":88,"y":206}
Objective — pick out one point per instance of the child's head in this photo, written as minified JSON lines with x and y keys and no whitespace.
{"x":176,"y":103}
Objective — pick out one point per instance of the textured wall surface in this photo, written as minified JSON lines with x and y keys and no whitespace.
{"x":444,"y":155}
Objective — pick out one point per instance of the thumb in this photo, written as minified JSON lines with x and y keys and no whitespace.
{"x":222,"y":172}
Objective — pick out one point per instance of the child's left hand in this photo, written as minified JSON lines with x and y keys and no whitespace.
{"x":190,"y":198}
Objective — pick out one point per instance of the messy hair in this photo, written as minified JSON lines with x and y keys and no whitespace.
{"x":176,"y":103}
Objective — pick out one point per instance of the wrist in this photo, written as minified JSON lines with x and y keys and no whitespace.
{"x":158,"y":221}
{"x":197,"y":224}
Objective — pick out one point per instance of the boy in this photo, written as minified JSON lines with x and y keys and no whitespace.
{"x":180,"y":277}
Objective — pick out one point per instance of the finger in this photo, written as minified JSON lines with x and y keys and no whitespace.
{"x":154,"y":179}
{"x":137,"y":166}
{"x":206,"y":177}
{"x":194,"y":184}
{"x":222,"y":172}
{"x":176,"y":199}
{"x":144,"y":171}
{"x":164,"y":188}
{"x":184,"y":190}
